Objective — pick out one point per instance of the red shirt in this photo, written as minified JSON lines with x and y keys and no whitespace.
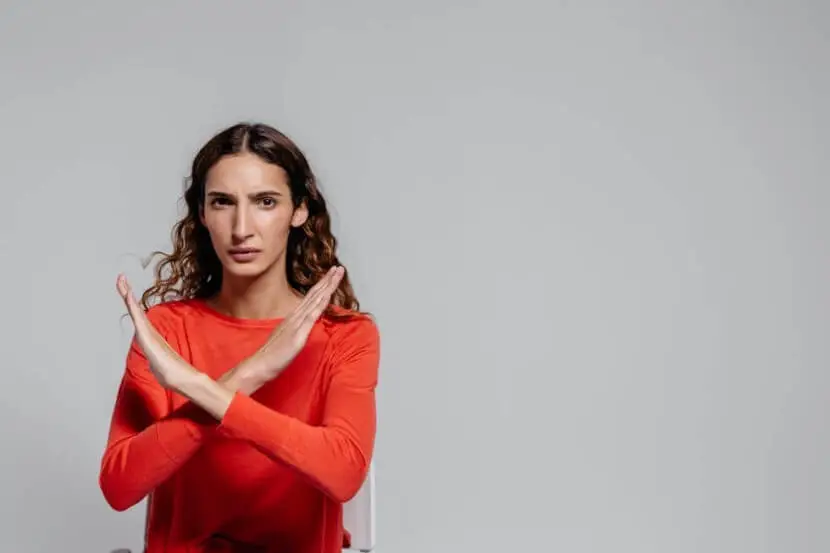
{"x":273,"y":474}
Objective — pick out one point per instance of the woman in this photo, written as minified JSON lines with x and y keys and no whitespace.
{"x":247,"y":408}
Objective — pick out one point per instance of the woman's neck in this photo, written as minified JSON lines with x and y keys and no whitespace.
{"x":268,"y":296}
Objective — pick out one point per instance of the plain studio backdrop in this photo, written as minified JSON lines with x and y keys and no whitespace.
{"x":594,"y":235}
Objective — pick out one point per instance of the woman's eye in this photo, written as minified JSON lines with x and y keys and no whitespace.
{"x":268,"y":202}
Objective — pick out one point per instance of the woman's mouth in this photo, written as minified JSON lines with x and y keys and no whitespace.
{"x":243,"y":255}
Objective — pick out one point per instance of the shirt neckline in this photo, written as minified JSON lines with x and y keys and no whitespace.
{"x":203,"y":306}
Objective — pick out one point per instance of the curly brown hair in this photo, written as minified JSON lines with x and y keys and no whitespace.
{"x":193,"y":269}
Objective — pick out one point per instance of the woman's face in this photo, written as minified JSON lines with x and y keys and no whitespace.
{"x":248,"y":212}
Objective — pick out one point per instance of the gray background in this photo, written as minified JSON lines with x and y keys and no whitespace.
{"x":594,"y":235}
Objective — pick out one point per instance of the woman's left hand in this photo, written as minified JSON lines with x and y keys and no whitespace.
{"x":167,"y":366}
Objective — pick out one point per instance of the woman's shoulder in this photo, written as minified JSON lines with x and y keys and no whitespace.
{"x":346,"y":325}
{"x":354,"y":337}
{"x":171,"y":312}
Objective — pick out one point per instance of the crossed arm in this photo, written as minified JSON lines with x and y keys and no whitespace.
{"x":147,"y":444}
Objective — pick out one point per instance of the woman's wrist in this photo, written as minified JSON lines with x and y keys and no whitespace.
{"x":211,"y":395}
{"x":247,"y":377}
{"x":215,"y":396}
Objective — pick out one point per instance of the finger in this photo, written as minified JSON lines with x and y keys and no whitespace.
{"x":125,"y":291}
{"x":311,"y":293}
{"x":135,"y":311}
{"x":311,"y":297}
{"x":295,"y":319}
{"x":314,"y":303}
{"x":322,"y":295}
{"x":302,"y":319}
{"x":321,"y":302}
{"x":333,"y":285}
{"x":313,"y":314}
{"x":151,"y":342}
{"x":321,"y":285}
{"x":122,"y":286}
{"x":324,"y":298}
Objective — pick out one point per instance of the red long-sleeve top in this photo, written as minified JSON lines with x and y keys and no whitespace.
{"x":272,"y":475}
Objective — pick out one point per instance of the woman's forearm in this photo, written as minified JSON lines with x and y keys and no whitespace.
{"x":147,"y":443}
{"x":207,"y":393}
{"x":214,"y":396}
{"x":143,"y":451}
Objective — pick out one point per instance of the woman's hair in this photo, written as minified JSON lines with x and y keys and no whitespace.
{"x":193,"y":269}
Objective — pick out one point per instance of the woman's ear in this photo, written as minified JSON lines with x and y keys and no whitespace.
{"x":300,"y":215}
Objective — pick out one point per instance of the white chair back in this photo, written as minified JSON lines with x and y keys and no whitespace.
{"x":359,"y":515}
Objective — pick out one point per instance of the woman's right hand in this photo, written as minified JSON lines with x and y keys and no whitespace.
{"x":290,"y":336}
{"x":167,"y":366}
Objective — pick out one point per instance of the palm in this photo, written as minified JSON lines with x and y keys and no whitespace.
{"x":165,"y":364}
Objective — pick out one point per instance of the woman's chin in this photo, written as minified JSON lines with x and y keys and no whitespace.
{"x":248,"y":270}
{"x":244,"y":272}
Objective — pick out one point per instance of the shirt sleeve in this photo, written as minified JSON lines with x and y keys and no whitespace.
{"x":147,"y":442}
{"x":335,"y":455}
